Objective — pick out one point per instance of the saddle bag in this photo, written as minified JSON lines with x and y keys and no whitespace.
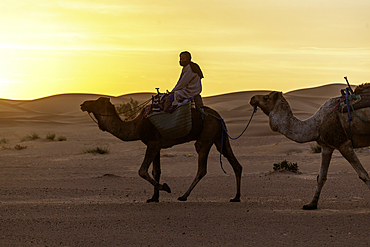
{"x":173,"y":125}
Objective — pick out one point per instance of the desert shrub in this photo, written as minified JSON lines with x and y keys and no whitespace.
{"x":286,"y":165}
{"x":50,"y":136}
{"x":5,"y":147}
{"x":19,"y":147}
{"x":315,"y":148}
{"x":97,"y":150}
{"x":62,"y":138}
{"x":32,"y":136}
{"x":3,"y":140}
{"x":167,"y":155}
{"x":128,"y":110}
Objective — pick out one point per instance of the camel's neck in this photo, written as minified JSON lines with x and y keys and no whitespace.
{"x":282,"y":120}
{"x":126,"y":131}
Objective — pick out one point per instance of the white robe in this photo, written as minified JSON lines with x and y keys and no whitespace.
{"x":188,"y":86}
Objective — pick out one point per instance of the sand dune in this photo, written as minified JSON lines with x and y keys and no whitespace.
{"x":53,"y":193}
{"x":233,"y":107}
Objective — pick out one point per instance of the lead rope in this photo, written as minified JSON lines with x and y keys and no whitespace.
{"x":224,"y":129}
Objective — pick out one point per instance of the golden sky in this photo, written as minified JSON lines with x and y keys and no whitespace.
{"x":116,"y":47}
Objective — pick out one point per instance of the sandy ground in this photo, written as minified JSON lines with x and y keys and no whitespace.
{"x":52,"y":193}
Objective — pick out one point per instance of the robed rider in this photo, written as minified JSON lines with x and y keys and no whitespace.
{"x":189,"y":85}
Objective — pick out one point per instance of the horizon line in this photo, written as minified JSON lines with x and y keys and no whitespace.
{"x":205,"y":96}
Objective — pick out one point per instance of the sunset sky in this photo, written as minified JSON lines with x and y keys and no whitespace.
{"x":116,"y":47}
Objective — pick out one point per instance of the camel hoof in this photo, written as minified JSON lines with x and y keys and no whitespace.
{"x":235,"y":200}
{"x":309,"y":207}
{"x":152,"y":200}
{"x":182,"y":198}
{"x":166,"y":188}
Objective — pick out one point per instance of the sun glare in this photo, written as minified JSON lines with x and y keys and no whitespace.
{"x":114,"y":48}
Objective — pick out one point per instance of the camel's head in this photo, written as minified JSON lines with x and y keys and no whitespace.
{"x":101,"y":106}
{"x":266,"y":102}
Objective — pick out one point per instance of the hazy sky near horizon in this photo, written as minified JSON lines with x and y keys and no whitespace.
{"x":116,"y":47}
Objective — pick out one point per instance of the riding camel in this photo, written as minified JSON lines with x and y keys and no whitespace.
{"x":328,"y":127}
{"x":206,"y":130}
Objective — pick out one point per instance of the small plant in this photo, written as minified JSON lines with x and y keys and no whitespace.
{"x":32,"y":136}
{"x":3,"y":140}
{"x":128,"y":110}
{"x":19,"y":147}
{"x":167,"y":155}
{"x":50,"y":136}
{"x":97,"y":150}
{"x":5,"y":147}
{"x":315,"y":148}
{"x":62,"y":138}
{"x":286,"y":165}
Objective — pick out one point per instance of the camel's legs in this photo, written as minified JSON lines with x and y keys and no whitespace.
{"x":150,"y":154}
{"x":228,"y":153}
{"x":203,"y":151}
{"x":322,"y":177}
{"x":347,"y":151}
{"x":156,"y":175}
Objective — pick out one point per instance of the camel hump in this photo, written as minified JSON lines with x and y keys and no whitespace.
{"x":362,"y":89}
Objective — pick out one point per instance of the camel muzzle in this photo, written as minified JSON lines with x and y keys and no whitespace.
{"x":84,"y":108}
{"x":253,"y":102}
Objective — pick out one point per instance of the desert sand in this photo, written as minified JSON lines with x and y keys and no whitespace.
{"x":52,"y":193}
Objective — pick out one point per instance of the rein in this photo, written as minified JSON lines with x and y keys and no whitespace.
{"x":93,"y":118}
{"x":140,"y":107}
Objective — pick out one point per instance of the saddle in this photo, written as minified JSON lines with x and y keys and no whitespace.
{"x":355,"y":101}
{"x":172,"y":121}
{"x":161,"y":102}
